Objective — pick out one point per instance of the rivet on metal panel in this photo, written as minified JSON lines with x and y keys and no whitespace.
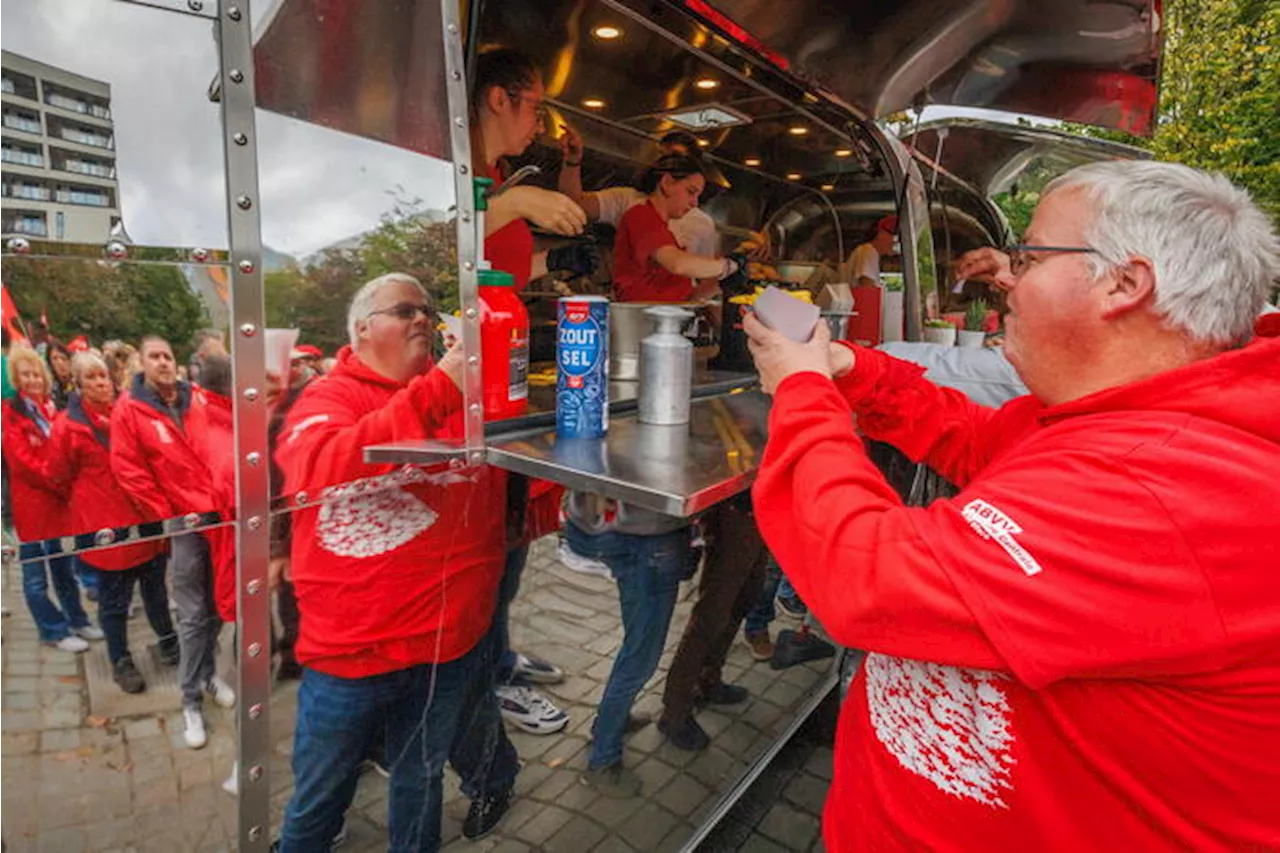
{"x":254,"y":522}
{"x":248,"y":330}
{"x":117,"y":250}
{"x":240,"y":139}
{"x":300,"y":498}
{"x":18,"y":245}
{"x":233,"y":13}
{"x":253,"y":587}
{"x":456,"y":463}
{"x":475,"y":359}
{"x":471,"y":312}
{"x":466,"y":217}
{"x":255,"y":710}
{"x":255,"y":772}
{"x":255,"y":832}
{"x":244,"y":202}
{"x":255,"y":649}
{"x":463,"y":168}
{"x":246,"y":266}
{"x":195,"y":5}
{"x":453,"y":29}
{"x":191,"y":519}
{"x":253,"y":458}
{"x":469,"y":265}
{"x":477,"y":457}
{"x":200,"y":255}
{"x":251,"y":394}
{"x":105,"y":536}
{"x":475,"y":408}
{"x":236,"y":75}
{"x":458,"y":122}
{"x":456,"y":75}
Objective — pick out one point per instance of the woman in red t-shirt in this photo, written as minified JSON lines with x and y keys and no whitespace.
{"x":648,"y":264}
{"x":506,"y":114}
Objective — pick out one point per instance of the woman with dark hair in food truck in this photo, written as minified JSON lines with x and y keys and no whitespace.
{"x":648,"y":263}
{"x":506,"y":115}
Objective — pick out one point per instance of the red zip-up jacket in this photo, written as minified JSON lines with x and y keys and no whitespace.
{"x":80,"y":467}
{"x":39,"y":511}
{"x":221,"y":437}
{"x":161,"y":464}
{"x":1081,"y":651}
{"x":393,"y":565}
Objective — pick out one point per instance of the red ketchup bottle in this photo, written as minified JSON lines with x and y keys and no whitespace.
{"x":504,"y":346}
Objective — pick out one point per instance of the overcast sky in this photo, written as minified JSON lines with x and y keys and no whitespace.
{"x":318,"y":186}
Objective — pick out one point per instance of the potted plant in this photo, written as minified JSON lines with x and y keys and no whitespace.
{"x":974,"y":334}
{"x":939,"y":332}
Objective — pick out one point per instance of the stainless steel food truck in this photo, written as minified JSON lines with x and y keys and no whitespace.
{"x":232,"y":146}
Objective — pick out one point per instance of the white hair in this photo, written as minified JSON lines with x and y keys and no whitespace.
{"x":362,"y":302}
{"x":83,"y":361}
{"x":1215,"y":253}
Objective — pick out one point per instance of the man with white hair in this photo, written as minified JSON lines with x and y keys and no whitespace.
{"x":1081,"y":650}
{"x":396,"y":572}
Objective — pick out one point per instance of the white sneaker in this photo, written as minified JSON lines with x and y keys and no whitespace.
{"x":232,"y":783}
{"x":71,"y":643}
{"x":574,"y":561}
{"x":223,"y":695}
{"x":527,"y":709}
{"x":194,"y":733}
{"x":89,"y":632}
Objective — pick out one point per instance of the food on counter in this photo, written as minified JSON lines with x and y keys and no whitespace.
{"x":750,"y":298}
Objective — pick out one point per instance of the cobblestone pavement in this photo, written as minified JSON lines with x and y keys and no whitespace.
{"x":76,"y":779}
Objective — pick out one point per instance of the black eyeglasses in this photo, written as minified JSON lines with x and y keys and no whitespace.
{"x":408,"y":311}
{"x":1021,"y":254}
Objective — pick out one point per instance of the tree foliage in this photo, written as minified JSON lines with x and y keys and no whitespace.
{"x":103,"y":300}
{"x":315,"y":299}
{"x":1220,"y":94}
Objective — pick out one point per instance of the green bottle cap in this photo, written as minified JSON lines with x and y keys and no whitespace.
{"x":481,"y":187}
{"x":495,"y":278}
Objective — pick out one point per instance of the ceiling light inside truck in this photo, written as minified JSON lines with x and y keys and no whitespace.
{"x":707,"y":117}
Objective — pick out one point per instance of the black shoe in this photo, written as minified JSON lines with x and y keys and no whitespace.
{"x":167,"y":651}
{"x":688,"y":735}
{"x":127,"y":676}
{"x":723,"y":694}
{"x":484,"y":815}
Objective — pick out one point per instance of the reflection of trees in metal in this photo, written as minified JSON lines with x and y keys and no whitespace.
{"x":315,"y":298}
{"x":104,"y":300}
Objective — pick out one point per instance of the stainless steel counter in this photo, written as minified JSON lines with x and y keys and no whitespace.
{"x":675,"y":470}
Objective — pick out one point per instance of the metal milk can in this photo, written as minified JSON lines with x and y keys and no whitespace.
{"x":666,"y":368}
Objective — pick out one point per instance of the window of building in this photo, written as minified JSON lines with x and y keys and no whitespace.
{"x":6,"y":86}
{"x":60,"y":225}
{"x":85,"y":138}
{"x":21,"y":156}
{"x":22,"y":121}
{"x":63,"y":102}
{"x":88,"y":167}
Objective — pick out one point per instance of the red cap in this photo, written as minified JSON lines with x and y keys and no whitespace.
{"x":306,"y":351}
{"x":888,"y":223}
{"x":78,"y":344}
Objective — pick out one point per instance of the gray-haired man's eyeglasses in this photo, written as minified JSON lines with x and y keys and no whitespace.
{"x":1022,"y":254}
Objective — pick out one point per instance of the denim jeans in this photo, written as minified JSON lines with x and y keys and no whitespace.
{"x":648,"y":570}
{"x":38,"y":564}
{"x":115,"y":591}
{"x":775,"y":584}
{"x":504,"y":656}
{"x":424,"y":712}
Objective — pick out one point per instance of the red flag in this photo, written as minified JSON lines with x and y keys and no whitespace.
{"x":10,"y":318}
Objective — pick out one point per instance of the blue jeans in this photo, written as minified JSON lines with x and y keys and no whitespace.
{"x":504,"y":656}
{"x":427,"y":713}
{"x":648,"y":570}
{"x":37,"y":565}
{"x":775,"y":584}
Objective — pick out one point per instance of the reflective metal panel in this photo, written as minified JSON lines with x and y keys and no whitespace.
{"x":369,"y":69}
{"x":108,"y":135}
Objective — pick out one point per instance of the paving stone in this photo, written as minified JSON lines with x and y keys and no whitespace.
{"x":757,"y":843}
{"x":648,"y":826}
{"x":510,"y":845}
{"x":59,"y":740}
{"x":546,"y":823}
{"x":783,"y":694}
{"x":712,"y":767}
{"x":606,"y":644}
{"x":820,"y":762}
{"x":21,"y":701}
{"x":577,"y":835}
{"x":611,"y":812}
{"x":807,"y":793}
{"x":144,"y":728}
{"x":67,"y":840}
{"x":561,"y":630}
{"x":612,"y":844}
{"x":683,"y":795}
{"x":793,"y":829}
{"x":19,"y":743}
{"x":21,"y":721}
{"x":554,"y":604}
{"x":655,"y":774}
{"x":20,"y":667}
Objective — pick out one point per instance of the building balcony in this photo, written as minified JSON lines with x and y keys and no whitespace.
{"x":25,"y":191}
{"x":26,"y":125}
{"x":21,"y":158}
{"x":32,"y":227}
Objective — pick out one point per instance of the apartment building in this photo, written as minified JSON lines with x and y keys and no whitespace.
{"x":57,"y":143}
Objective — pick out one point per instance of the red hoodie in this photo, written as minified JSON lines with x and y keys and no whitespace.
{"x":1080,"y":651}
{"x":396,"y":565}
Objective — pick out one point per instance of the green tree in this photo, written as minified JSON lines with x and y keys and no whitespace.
{"x":103,"y":300}
{"x":1219,"y":103}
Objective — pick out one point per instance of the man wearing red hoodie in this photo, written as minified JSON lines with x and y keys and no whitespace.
{"x":1081,"y":650}
{"x":396,"y":572}
{"x":160,"y":455}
